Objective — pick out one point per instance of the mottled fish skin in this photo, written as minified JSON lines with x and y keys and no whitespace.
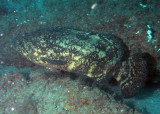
{"x":91,"y":54}
{"x":132,"y":75}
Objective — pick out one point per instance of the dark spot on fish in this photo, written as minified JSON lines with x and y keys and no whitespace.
{"x":54,"y":62}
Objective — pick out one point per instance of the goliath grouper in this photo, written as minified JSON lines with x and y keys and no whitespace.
{"x":94,"y":55}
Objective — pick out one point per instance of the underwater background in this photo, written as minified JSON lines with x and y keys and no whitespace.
{"x":27,"y":88}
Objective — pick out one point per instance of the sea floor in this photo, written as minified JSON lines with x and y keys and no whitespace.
{"x":36,"y":91}
{"x":25,"y":88}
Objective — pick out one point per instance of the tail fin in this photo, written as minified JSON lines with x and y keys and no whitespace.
{"x":132,"y":75}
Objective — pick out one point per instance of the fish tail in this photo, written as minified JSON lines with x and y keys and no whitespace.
{"x":132,"y":75}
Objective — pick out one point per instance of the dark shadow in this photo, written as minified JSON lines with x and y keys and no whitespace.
{"x":26,"y":75}
{"x":144,"y":111}
{"x":153,"y":81}
{"x":153,"y":73}
{"x":3,"y":11}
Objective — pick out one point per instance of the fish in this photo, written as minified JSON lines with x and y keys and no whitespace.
{"x":97,"y":56}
